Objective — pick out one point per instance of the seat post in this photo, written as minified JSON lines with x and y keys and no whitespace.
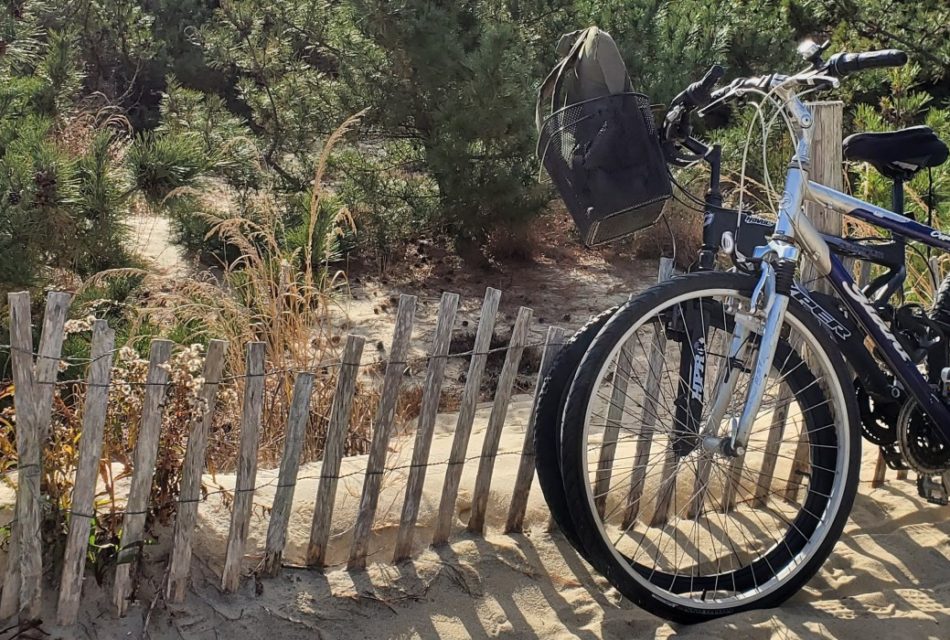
{"x":897,"y":196}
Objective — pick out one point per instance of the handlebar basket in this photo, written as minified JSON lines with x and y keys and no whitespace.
{"x":604,"y":158}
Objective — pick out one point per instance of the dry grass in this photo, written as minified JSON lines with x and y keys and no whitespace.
{"x":263,"y":295}
{"x":678,"y":232}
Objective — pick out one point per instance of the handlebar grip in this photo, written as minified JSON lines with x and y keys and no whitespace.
{"x":712,"y":76}
{"x":697,"y":94}
{"x":844,"y":63}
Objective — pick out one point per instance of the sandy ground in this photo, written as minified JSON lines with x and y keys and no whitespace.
{"x":889,"y":575}
{"x":150,"y":238}
{"x":563,"y":285}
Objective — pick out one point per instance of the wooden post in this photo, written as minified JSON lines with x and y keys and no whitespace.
{"x":648,"y":415}
{"x":340,"y":413}
{"x":700,"y":487}
{"x":382,"y":431}
{"x":432,"y":393}
{"x":146,"y":450}
{"x":826,"y":169}
{"x":190,"y":492}
{"x":880,"y":468}
{"x":463,"y":427}
{"x":287,"y":479}
{"x":519,"y":495}
{"x":33,"y":402}
{"x":28,"y":482}
{"x":732,"y":482}
{"x":82,"y":510}
{"x":48,"y":358}
{"x":247,"y":466}
{"x":615,"y":412}
{"x":496,"y":420}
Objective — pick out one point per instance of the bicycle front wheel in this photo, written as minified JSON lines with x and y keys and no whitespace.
{"x":679,"y":527}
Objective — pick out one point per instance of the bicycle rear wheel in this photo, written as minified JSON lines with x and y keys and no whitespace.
{"x":680,"y":528}
{"x":547,"y":422}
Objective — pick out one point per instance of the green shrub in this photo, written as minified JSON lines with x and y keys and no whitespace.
{"x":163,"y":163}
{"x":392,"y":200}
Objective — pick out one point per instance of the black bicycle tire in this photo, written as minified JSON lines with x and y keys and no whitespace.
{"x":547,"y":422}
{"x":595,"y":549}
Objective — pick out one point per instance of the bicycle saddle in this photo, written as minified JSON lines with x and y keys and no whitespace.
{"x":897,"y":154}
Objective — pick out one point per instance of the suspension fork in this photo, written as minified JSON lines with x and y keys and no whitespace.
{"x":779,"y":260}
{"x":771,"y":296}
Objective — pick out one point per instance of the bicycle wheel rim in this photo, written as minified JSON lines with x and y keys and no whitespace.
{"x":763,"y":576}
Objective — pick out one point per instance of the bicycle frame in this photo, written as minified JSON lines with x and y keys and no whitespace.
{"x":795,"y":235}
{"x":858,"y":305}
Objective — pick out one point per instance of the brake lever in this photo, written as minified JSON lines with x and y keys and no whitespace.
{"x":709,"y":107}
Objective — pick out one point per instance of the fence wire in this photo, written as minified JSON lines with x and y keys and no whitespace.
{"x":274,"y":483}
{"x":316,"y":368}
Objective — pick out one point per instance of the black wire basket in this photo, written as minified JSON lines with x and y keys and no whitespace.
{"x":604,"y":158}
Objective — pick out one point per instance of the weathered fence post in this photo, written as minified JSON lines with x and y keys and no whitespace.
{"x":615,"y":412}
{"x":774,"y":441}
{"x":287,"y":479}
{"x":880,"y":468}
{"x":463,"y":427}
{"x":826,"y":169}
{"x":247,"y":465}
{"x":519,"y":496}
{"x":190,"y":492}
{"x":82,"y":510}
{"x":496,"y":420}
{"x":382,"y":431}
{"x":146,"y":450}
{"x":340,"y":412}
{"x":432,"y":393}
{"x":33,"y":402}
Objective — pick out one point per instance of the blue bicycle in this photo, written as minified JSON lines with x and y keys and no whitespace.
{"x":710,"y":440}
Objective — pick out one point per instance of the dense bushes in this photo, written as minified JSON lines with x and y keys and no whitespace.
{"x":61,"y":194}
{"x":446,"y":143}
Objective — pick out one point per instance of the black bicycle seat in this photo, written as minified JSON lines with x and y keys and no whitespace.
{"x":897,"y":154}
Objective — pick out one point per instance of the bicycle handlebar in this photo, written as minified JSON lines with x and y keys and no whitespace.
{"x":699,"y":94}
{"x":841,"y":64}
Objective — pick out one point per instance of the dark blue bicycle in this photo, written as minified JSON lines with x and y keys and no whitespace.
{"x":711,"y":435}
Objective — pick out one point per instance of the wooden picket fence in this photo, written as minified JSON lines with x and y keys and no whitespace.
{"x":35,"y":375}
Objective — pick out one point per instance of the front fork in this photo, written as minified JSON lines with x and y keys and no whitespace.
{"x":765,"y":317}
{"x":770,"y":299}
